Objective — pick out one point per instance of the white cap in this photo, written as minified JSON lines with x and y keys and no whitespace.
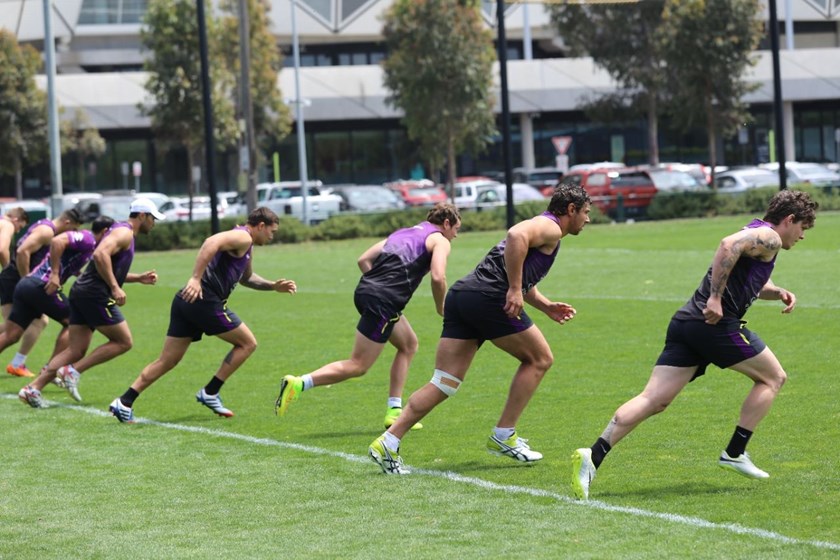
{"x":147,"y":206}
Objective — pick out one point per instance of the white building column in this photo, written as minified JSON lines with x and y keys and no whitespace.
{"x":787,"y":117}
{"x":526,"y":132}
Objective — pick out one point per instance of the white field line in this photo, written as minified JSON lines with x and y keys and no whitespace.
{"x":473,"y":481}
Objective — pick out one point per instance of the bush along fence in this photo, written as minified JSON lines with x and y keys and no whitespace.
{"x":664,"y":206}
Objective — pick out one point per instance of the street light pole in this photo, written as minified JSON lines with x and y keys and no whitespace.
{"x":777,"y":96}
{"x":52,"y":109}
{"x":207,"y":103}
{"x":301,"y":135}
{"x":500,"y":14}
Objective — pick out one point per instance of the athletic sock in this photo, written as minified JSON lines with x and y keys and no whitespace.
{"x":394,"y":402}
{"x":19,"y":360}
{"x":128,"y":397}
{"x":503,"y":434}
{"x":307,"y":382}
{"x":738,"y":443}
{"x":214,"y":386}
{"x":599,"y":450}
{"x":392,"y":442}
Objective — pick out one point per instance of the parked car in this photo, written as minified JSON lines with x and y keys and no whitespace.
{"x":814,"y":174}
{"x":744,"y":179}
{"x":699,"y":171}
{"x":616,"y":192}
{"x":544,"y":179}
{"x":114,"y":206}
{"x":668,"y":180}
{"x":178,"y":208}
{"x":73,"y":200}
{"x":235,"y":201}
{"x":367,"y":198}
{"x":467,"y":189}
{"x":422,"y":192}
{"x":598,"y":165}
{"x":286,"y":199}
{"x":491,"y":196}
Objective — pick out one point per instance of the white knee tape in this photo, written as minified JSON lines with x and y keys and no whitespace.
{"x":445,"y":382}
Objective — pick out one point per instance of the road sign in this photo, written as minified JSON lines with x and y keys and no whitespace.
{"x":561,"y":143}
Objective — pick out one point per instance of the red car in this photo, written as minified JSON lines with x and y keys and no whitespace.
{"x":635,"y":189}
{"x":418,"y":193}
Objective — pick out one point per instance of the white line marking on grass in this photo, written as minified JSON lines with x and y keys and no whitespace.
{"x":473,"y":481}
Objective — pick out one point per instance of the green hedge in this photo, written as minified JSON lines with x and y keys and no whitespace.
{"x":186,"y":235}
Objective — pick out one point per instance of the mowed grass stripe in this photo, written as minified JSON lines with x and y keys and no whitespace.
{"x":472,"y":481}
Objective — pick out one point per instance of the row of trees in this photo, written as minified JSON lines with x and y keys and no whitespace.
{"x":23,"y":117}
{"x":170,"y":35}
{"x":679,"y":59}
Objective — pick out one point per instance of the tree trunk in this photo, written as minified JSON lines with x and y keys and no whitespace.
{"x":190,"y":186}
{"x":81,"y":172}
{"x":712,"y":134}
{"x":18,"y":180}
{"x":653,"y":131}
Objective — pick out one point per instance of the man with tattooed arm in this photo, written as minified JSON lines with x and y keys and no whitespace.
{"x":709,"y":329}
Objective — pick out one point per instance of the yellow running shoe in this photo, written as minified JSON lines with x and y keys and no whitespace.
{"x":394,"y":413}
{"x":514,"y":447}
{"x":388,"y":459}
{"x":290,"y":389}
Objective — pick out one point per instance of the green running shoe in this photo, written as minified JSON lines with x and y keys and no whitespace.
{"x":389,"y":460}
{"x":290,"y":389}
{"x":394,"y":413}
{"x":514,"y":447}
{"x":583,"y":472}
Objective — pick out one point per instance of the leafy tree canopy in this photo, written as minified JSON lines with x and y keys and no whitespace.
{"x":439,"y":72}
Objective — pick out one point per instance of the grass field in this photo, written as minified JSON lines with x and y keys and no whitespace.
{"x":183,"y":483}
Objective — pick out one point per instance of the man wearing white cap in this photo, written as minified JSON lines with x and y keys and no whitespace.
{"x":95,"y":300}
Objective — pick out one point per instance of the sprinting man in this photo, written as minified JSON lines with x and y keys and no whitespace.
{"x":95,"y":301}
{"x":40,"y":293}
{"x":488,"y":304}
{"x":15,"y":220}
{"x":31,"y":249}
{"x":201,"y":308}
{"x":391,"y":272}
{"x":709,"y":329}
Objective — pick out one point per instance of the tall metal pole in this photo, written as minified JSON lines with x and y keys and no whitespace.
{"x":301,"y":134}
{"x":207,"y":104}
{"x":500,"y":13}
{"x":248,"y":153}
{"x":789,"y":24}
{"x":777,"y":96}
{"x":52,"y":109}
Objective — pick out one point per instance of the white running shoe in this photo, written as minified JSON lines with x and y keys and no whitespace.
{"x":389,"y":460}
{"x":70,"y":377}
{"x":32,"y":397}
{"x":214,"y":403}
{"x":741,"y":465}
{"x":121,"y":412}
{"x":514,"y":447}
{"x":583,"y":472}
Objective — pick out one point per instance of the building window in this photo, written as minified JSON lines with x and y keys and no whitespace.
{"x":102,"y":12}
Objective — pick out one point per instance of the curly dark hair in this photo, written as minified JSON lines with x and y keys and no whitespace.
{"x":565,"y":195}
{"x":787,"y":202}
